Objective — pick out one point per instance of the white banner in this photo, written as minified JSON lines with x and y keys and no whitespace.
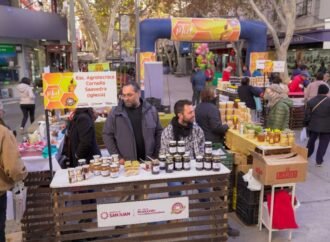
{"x":126,"y":213}
{"x":96,"y":89}
{"x":278,"y":66}
{"x":260,"y":64}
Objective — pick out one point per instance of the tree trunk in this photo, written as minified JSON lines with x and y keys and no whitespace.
{"x":238,"y":46}
{"x":282,"y":54}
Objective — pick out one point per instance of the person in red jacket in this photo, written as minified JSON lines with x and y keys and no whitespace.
{"x":226,"y":73}
{"x":297,"y":83}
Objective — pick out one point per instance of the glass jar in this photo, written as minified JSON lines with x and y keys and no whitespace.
{"x":181,"y":147}
{"x":291,"y":138}
{"x":177,"y":162}
{"x":277,"y":137}
{"x":114,"y":171}
{"x":72,"y":175}
{"x":271,"y":138}
{"x":208,"y":163}
{"x":97,"y":168}
{"x":155,"y":167}
{"x":86,"y":171}
{"x":172,"y":147}
{"x":81,"y":162}
{"x":186,"y":162}
{"x":97,"y":158}
{"x":236,"y":101}
{"x":162,"y":161}
{"x":199,"y":163}
{"x":79,"y":174}
{"x":284,"y":141}
{"x":208,"y":148}
{"x":105,"y":170}
{"x":169,"y":166}
{"x":216,"y":163}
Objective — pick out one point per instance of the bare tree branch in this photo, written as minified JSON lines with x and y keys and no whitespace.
{"x":269,"y":25}
{"x":278,"y":11}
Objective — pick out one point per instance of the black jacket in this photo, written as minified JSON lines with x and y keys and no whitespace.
{"x":208,"y":118}
{"x":320,"y":118}
{"x":82,"y":136}
{"x":246,"y":94}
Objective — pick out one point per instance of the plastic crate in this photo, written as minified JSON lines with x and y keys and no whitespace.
{"x":227,"y":159}
{"x":250,"y":197}
{"x":247,"y":213}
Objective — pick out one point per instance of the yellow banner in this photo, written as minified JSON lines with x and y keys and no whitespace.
{"x":98,"y":67}
{"x":205,"y":29}
{"x":145,"y":57}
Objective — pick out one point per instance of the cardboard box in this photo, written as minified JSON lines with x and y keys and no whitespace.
{"x":280,"y":169}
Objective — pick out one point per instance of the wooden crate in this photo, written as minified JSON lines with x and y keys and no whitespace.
{"x":207,"y":220}
{"x":38,"y":222}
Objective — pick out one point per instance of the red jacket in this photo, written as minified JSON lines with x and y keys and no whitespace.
{"x":225,"y":76}
{"x":294,"y":85}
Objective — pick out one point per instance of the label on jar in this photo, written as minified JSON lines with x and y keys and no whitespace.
{"x":216,"y":165}
{"x":181,"y":149}
{"x":155,"y":169}
{"x":208,"y":150}
{"x":199,"y":165}
{"x":172,"y":150}
{"x":114,"y":174}
{"x":207,"y":165}
{"x":162,"y":164}
{"x":186,"y":165}
{"x":170,"y":167}
{"x":105,"y":173}
{"x":178,"y":165}
{"x":97,"y":173}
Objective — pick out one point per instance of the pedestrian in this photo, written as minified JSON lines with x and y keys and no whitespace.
{"x":132,"y":129}
{"x":318,"y":111}
{"x":12,"y":170}
{"x":27,"y":101}
{"x":247,"y":93}
{"x":326,"y":78}
{"x":246,"y":71}
{"x":312,"y":88}
{"x":81,"y":135}
{"x":297,"y":83}
{"x":208,"y":117}
{"x":198,"y":81}
{"x":322,"y":68}
{"x":226,"y":73}
{"x":256,"y":73}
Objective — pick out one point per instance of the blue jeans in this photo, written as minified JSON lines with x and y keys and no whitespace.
{"x":3,"y":209}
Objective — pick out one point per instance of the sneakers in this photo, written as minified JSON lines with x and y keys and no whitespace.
{"x":318,"y":165}
{"x":233,"y":232}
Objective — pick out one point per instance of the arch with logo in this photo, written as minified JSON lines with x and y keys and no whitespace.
{"x":200,"y":30}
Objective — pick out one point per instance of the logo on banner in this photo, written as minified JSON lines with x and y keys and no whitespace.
{"x":178,"y":208}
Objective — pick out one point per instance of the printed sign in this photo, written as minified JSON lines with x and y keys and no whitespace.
{"x":79,"y":90}
{"x":116,"y":214}
{"x":205,"y":29}
{"x":98,"y":67}
{"x":279,"y":66}
{"x":260,"y":64}
{"x":268,"y":66}
{"x":255,"y":56}
{"x":145,"y":57}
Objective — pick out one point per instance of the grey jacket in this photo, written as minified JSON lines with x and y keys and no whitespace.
{"x":118,"y":135}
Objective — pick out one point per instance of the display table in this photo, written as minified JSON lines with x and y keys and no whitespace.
{"x":75,"y":212}
{"x":239,"y":143}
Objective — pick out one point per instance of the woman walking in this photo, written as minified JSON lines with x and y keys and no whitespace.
{"x":27,"y":101}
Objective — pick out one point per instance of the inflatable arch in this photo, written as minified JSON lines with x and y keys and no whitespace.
{"x":200,"y":30}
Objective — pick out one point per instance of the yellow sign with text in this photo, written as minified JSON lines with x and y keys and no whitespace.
{"x":205,"y":29}
{"x":98,"y":67}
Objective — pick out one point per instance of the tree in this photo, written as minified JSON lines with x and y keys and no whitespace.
{"x":286,"y":13}
{"x":100,"y":35}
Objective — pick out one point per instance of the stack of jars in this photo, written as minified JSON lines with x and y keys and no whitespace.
{"x":99,"y":166}
{"x":177,"y":159}
{"x":209,"y":161}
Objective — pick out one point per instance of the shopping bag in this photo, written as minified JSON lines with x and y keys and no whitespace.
{"x":19,"y":196}
{"x":303,"y":135}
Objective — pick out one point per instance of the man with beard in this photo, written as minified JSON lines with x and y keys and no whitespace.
{"x":183,"y":127}
{"x":208,"y":117}
{"x":132,"y":129}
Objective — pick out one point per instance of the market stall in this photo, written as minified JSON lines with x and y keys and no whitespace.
{"x":142,"y":207}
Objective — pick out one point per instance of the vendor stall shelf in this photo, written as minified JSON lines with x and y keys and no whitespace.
{"x":75,"y":206}
{"x":266,"y":218}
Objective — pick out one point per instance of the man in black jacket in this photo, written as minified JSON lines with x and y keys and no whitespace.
{"x":318,"y":108}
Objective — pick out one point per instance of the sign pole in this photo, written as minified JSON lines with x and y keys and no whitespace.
{"x":48,"y":143}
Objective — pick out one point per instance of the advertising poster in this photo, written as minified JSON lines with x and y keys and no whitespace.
{"x":205,"y":29}
{"x":126,"y":213}
{"x":98,"y":67}
{"x":255,"y":56}
{"x":145,"y":57}
{"x":79,"y":90}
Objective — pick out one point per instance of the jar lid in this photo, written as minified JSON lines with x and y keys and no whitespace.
{"x":208,"y":142}
{"x":172,"y":142}
{"x":181,"y":142}
{"x":104,"y":165}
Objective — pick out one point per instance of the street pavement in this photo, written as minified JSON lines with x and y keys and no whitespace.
{"x":314,"y":194}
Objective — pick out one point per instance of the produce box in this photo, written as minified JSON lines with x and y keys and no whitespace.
{"x":280,"y":169}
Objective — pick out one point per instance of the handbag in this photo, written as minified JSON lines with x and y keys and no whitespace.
{"x":308,"y":114}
